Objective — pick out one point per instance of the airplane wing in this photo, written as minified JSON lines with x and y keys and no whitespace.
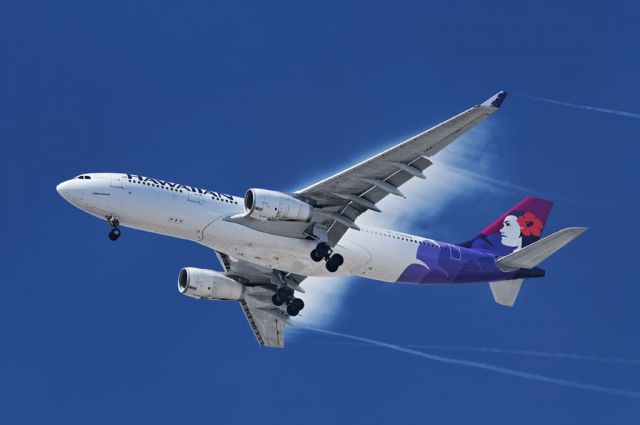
{"x":338,"y":201}
{"x":341,"y":198}
{"x":266,"y":320}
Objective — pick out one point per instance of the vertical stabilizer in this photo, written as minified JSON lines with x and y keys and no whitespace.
{"x":520,"y":226}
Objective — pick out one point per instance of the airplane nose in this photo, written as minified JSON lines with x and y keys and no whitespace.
{"x":62,"y":188}
{"x":69,"y":191}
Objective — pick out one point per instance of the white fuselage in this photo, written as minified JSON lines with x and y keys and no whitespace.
{"x":199,"y":215}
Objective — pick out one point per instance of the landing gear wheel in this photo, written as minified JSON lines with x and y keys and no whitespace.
{"x":297,"y":303}
{"x":295,"y":306}
{"x":323,"y":249}
{"x":332,"y":266}
{"x":334,"y":262}
{"x":275,"y":299}
{"x":114,"y":234}
{"x":315,"y":256}
{"x":285,"y":295}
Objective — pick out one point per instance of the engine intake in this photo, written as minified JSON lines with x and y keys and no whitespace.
{"x":271,"y":205}
{"x":208,"y":284}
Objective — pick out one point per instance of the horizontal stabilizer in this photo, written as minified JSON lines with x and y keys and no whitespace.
{"x":532,"y":255}
{"x":506,"y":291}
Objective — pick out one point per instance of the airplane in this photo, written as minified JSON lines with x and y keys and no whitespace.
{"x":268,"y":241}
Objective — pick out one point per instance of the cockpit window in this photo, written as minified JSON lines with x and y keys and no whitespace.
{"x":84,"y":177}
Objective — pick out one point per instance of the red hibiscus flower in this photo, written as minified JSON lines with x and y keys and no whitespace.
{"x":530,"y":225}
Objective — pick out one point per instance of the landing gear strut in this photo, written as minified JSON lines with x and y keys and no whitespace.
{"x":324,"y":252}
{"x":284,"y":295}
{"x":114,"y":234}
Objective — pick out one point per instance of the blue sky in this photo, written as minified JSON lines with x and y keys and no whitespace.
{"x":232,"y":96}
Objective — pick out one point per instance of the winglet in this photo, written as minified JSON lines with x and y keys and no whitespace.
{"x":496,"y":100}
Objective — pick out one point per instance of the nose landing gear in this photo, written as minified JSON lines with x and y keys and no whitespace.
{"x":324,"y":252}
{"x":114,"y":234}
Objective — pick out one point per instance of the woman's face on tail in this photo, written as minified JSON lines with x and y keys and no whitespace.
{"x":510,"y":231}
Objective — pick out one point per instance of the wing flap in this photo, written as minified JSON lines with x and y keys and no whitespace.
{"x":269,"y":331}
{"x":266,"y":320}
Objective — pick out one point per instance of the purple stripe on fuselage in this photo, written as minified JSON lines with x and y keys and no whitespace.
{"x":446,"y":263}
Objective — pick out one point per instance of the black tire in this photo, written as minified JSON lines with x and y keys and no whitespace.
{"x":297,"y":303}
{"x":332,"y":267}
{"x":114,"y":234}
{"x":315,"y":256}
{"x":285,"y":294}
{"x":338,"y":259}
{"x":292,"y":311}
{"x":275,"y":299}
{"x":323,"y":249}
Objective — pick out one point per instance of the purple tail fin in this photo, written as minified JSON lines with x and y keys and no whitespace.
{"x":520,"y":226}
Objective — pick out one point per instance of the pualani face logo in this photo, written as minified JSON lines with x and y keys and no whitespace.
{"x":521,"y":226}
{"x":520,"y":229}
{"x":177,"y":186}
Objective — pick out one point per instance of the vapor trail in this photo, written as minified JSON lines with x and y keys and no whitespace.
{"x":495,"y":350}
{"x":485,"y":366}
{"x":587,"y":107}
{"x":531,"y":353}
{"x":490,"y":181}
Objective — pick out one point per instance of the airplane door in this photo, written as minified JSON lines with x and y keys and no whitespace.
{"x":116,"y":181}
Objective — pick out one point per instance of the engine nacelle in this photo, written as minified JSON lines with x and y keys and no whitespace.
{"x":271,"y":205}
{"x":208,"y":284}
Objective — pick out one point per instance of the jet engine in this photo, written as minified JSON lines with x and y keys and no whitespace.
{"x":208,"y":284}
{"x":271,"y":205}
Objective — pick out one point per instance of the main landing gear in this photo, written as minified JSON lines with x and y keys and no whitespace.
{"x":114,"y":234}
{"x":324,"y":252}
{"x":284,"y":295}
